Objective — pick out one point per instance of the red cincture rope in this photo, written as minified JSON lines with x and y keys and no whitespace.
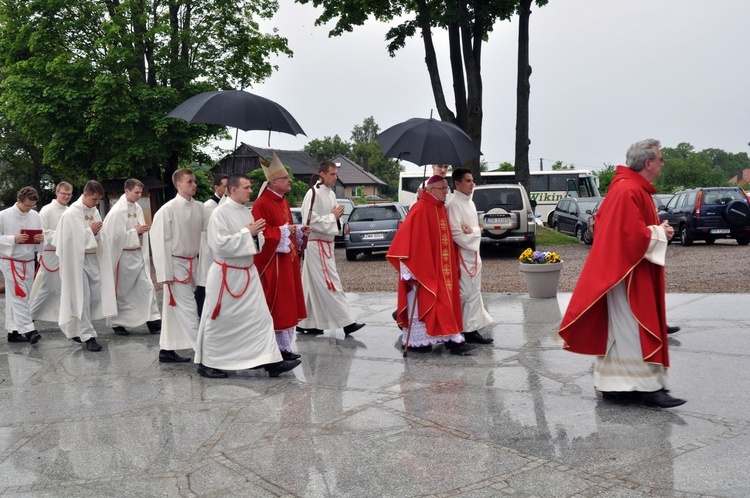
{"x":14,"y":271}
{"x":463,"y":263}
{"x":225,"y":285}
{"x":41,"y":264}
{"x":189,"y":277}
{"x":325,"y":252}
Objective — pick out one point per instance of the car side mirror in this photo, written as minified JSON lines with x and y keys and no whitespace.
{"x":588,"y":211}
{"x":533,"y":203}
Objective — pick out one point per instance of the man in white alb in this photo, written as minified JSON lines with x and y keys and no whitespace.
{"x":462,"y":214}
{"x":20,"y":232}
{"x":205,"y":260}
{"x":127,"y":233}
{"x":44,"y":300}
{"x":236,"y":329}
{"x":325,"y":299}
{"x":175,"y":244}
{"x":88,"y":287}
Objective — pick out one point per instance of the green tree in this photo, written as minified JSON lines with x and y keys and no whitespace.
{"x":558,"y":165}
{"x":89,"y":83}
{"x":605,"y":177}
{"x":328,"y":147}
{"x":468,"y":25}
{"x":365,"y":149}
{"x":505,"y":166}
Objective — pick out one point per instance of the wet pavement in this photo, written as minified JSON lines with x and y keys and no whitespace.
{"x":519,"y":418}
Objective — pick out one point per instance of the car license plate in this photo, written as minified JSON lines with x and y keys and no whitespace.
{"x":373,"y":236}
{"x":498,"y":219}
{"x":719,"y":230}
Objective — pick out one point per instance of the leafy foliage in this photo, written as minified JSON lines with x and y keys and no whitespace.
{"x":89,"y":83}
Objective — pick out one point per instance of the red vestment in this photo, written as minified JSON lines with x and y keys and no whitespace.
{"x":622,"y":240}
{"x":279,"y":272}
{"x":425,"y":246}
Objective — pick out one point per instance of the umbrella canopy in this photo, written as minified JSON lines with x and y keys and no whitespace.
{"x":428,"y":141}
{"x":238,"y":109}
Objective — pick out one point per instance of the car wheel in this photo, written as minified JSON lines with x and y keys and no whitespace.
{"x":685,"y":238}
{"x":351,"y":255}
{"x":587,"y":238}
{"x":743,"y":241}
{"x":555,"y":226}
{"x":710,"y":240}
{"x":579,"y":233}
{"x":737,"y":213}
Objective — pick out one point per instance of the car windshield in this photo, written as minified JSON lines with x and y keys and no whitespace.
{"x":374,"y":213}
{"x":486,"y":199}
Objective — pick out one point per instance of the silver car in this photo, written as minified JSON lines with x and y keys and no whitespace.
{"x":372,"y":227}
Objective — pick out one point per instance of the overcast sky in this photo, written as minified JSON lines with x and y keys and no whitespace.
{"x":605,"y":74}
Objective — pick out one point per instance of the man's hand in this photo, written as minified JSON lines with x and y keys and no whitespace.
{"x":668,"y":229}
{"x":338,"y":211}
{"x":306,"y":229}
{"x":256,"y":227}
{"x":39,"y":238}
{"x":141,"y":229}
{"x":466,"y":228}
{"x":95,"y":227}
{"x":21,"y":238}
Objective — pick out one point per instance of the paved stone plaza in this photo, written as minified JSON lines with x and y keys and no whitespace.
{"x":356,"y":419}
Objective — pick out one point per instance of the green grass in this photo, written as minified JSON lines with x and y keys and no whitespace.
{"x":549,"y":237}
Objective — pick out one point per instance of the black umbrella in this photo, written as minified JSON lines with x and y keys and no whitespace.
{"x":238,"y":109}
{"x":428,"y":141}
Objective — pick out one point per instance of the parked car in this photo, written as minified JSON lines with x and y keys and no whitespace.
{"x":661,"y":200}
{"x":571,"y":215}
{"x":296,"y":215}
{"x":506,"y":215}
{"x":588,"y":236}
{"x":373,"y":198}
{"x":348,"y":206}
{"x":371,"y":228}
{"x":709,"y":214}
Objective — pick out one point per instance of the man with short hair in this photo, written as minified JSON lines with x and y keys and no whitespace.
{"x":20,"y":232}
{"x":88,"y":288}
{"x":278,"y":260}
{"x":467,"y":234}
{"x":423,"y":253}
{"x":617,"y":311}
{"x":175,"y":244}
{"x":205,"y":260}
{"x":236,"y":330}
{"x":127,"y":233}
{"x":44,"y":300}
{"x":325,"y":299}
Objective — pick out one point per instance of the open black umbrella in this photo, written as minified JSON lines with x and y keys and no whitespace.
{"x":428,"y":141}
{"x":239,"y":109}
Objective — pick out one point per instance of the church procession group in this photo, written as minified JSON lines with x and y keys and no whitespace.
{"x":238,"y":282}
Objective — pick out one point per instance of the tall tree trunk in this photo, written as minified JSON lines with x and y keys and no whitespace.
{"x":523,"y":90}
{"x":430,"y":59}
{"x":472,"y":54}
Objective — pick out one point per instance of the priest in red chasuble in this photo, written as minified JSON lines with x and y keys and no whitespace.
{"x":617,"y":311}
{"x":278,"y":261}
{"x":424,"y":255}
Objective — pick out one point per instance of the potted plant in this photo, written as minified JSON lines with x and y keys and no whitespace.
{"x":541,"y":270}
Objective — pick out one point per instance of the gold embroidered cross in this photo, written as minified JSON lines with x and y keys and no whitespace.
{"x":88,"y":218}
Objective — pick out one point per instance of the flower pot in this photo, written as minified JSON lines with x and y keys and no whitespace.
{"x":542,"y":280}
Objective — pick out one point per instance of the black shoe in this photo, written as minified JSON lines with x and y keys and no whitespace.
{"x":14,"y":336}
{"x":169,"y":356}
{"x":395,"y":316}
{"x":476,"y":338}
{"x":288,"y":355}
{"x":276,"y":369}
{"x":120,"y":331}
{"x":353,"y":327}
{"x":76,"y":339}
{"x":154,"y":326}
{"x":420,"y":349}
{"x":310,"y":331}
{"x":92,"y":345}
{"x":211,"y":373}
{"x":672,"y":329}
{"x":460,"y":348}
{"x":33,"y":336}
{"x":660,"y":399}
{"x":620,"y":396}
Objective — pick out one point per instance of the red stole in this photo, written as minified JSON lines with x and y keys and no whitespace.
{"x":279,"y":273}
{"x":622,"y":239}
{"x":425,"y":246}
